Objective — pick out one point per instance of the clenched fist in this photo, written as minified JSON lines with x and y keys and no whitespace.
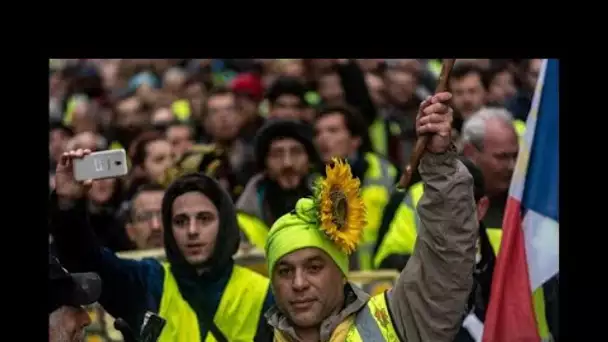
{"x":435,"y":118}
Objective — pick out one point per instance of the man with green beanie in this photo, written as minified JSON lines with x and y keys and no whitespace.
{"x":308,"y":251}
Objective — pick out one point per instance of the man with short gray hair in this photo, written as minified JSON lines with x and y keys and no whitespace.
{"x":491,"y":142}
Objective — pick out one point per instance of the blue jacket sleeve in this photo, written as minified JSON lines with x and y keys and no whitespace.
{"x":130,"y":287}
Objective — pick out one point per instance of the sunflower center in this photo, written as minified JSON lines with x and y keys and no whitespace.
{"x":339,"y":206}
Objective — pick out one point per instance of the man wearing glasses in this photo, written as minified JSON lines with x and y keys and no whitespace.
{"x":144,"y":225}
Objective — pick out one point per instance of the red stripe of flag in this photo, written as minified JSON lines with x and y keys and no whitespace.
{"x":510,"y":316}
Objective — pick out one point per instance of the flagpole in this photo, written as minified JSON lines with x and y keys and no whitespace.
{"x":421,"y":142}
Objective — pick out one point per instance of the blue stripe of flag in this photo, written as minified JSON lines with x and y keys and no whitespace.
{"x":541,"y":192}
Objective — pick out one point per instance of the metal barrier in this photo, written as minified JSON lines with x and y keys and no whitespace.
{"x":102,"y":326}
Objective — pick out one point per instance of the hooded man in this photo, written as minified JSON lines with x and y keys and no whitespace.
{"x":199,"y":291}
{"x":307,"y":252}
{"x":286,"y":157}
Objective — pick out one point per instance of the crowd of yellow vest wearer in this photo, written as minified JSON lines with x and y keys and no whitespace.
{"x":400,"y":238}
{"x":378,"y":183}
{"x":102,"y":326}
{"x":189,"y":124}
{"x":403,"y":231}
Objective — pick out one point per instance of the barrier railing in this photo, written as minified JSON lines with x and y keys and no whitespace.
{"x":102,"y":326}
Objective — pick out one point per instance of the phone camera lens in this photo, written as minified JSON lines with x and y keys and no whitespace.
{"x":117,"y":162}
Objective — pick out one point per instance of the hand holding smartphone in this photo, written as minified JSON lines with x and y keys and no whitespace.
{"x":77,"y":169}
{"x":100,"y":165}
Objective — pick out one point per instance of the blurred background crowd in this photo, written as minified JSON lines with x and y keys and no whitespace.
{"x":265,"y":127}
{"x":204,"y":114}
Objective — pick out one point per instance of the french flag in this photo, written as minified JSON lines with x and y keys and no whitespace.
{"x":529,"y":252}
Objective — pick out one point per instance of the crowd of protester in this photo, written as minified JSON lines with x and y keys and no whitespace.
{"x":266,"y":128}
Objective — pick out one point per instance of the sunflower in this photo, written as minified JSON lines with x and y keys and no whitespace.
{"x":341,"y":209}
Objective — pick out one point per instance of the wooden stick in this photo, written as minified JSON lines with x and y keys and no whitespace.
{"x":421,"y":142}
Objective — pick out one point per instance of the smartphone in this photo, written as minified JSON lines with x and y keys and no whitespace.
{"x":152,"y":327}
{"x":99,"y":165}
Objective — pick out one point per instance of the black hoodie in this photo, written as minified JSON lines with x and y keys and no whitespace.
{"x":203,"y":292}
{"x":228,"y":232}
{"x":133,"y":287}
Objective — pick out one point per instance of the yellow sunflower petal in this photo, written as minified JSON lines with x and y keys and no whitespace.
{"x":339,"y":186}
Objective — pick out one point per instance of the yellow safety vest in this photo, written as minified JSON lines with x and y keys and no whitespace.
{"x":181,"y":109}
{"x":254,"y":229}
{"x":401,"y":235}
{"x":377,"y":185}
{"x":378,"y":137}
{"x":237,"y":316}
{"x":495,"y":236}
{"x":434,"y":66}
{"x":73,"y":102}
{"x":520,"y":127}
{"x":401,"y":238}
{"x":115,"y":145}
{"x":371,"y":324}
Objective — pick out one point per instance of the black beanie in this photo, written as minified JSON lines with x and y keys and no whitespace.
{"x":284,"y":128}
{"x":286,"y":85}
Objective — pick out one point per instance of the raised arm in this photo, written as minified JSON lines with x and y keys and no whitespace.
{"x":430,"y":295}
{"x":129,"y":286}
{"x":356,"y":92}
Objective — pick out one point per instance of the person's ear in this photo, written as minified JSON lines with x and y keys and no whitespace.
{"x":482,"y":207}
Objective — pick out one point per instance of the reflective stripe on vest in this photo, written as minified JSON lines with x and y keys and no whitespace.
{"x":373,"y":322}
{"x":377,"y":184}
{"x":255,"y":230}
{"x":237,"y":315}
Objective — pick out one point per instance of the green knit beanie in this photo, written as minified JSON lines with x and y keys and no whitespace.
{"x":298,"y":230}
